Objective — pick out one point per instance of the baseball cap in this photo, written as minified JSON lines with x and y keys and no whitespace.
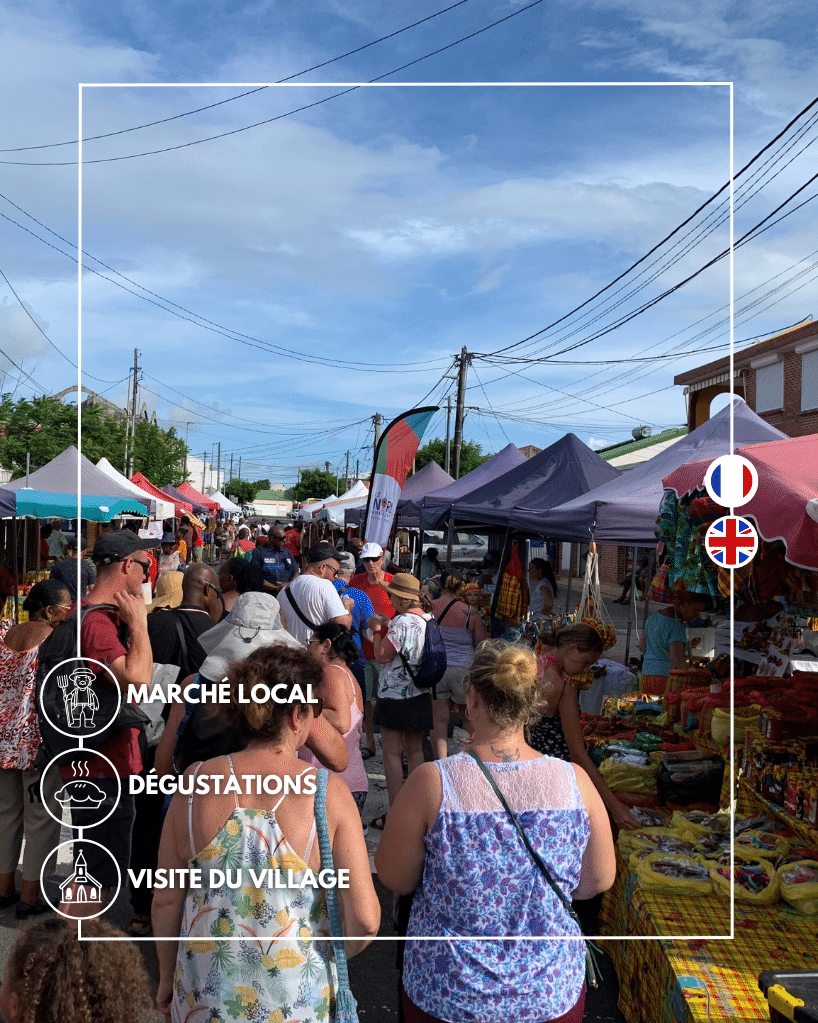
{"x":346,"y":560}
{"x":371,"y":550}
{"x":120,"y":544}
{"x":322,"y":551}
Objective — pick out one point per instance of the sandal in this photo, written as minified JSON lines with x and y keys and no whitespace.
{"x":367,"y":754}
{"x":379,"y":823}
{"x":140,"y":926}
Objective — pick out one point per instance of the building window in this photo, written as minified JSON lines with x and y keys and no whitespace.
{"x":770,"y":387}
{"x":809,"y":380}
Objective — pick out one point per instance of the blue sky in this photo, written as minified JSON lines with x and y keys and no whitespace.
{"x":349,"y":251}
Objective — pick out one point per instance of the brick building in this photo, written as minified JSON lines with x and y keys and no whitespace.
{"x":778,"y":378}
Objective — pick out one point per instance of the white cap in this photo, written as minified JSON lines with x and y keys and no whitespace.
{"x":371,"y":550}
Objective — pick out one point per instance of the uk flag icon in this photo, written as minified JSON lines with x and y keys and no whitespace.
{"x":731,"y":541}
{"x":731,"y":480}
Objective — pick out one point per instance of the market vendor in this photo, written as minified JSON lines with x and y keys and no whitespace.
{"x":664,"y":637}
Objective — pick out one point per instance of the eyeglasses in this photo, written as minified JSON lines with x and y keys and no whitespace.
{"x":65,"y":607}
{"x":334,"y":571}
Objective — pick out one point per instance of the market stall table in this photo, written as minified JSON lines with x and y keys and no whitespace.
{"x":699,"y":980}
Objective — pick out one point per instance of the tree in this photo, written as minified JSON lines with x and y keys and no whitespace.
{"x":45,"y":426}
{"x":314,"y":483}
{"x":471,"y":455}
{"x":242,"y":491}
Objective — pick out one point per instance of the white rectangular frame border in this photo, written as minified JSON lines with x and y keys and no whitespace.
{"x":427,"y":85}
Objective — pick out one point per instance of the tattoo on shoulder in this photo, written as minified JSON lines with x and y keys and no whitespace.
{"x":506,"y":755}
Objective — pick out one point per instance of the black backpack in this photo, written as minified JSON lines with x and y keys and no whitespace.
{"x":52,"y":714}
{"x":203,"y":734}
{"x":433,"y":666}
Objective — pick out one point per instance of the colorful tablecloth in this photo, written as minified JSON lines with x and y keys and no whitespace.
{"x":699,"y":980}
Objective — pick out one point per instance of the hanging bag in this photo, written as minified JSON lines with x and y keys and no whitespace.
{"x":346,"y":1008}
{"x":591,"y":969}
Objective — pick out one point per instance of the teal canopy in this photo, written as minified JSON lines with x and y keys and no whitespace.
{"x":47,"y":505}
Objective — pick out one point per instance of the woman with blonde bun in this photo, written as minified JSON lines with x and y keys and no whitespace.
{"x":257,"y":813}
{"x":449,"y":839}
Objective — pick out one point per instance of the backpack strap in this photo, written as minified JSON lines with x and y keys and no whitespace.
{"x":298,"y":610}
{"x":190,"y":706}
{"x":446,"y":610}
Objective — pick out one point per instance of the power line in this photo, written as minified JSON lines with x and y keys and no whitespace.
{"x":241,"y":95}
{"x":667,"y":237}
{"x":278,"y":117}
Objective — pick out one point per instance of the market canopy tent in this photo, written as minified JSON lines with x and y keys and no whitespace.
{"x":179,"y":507}
{"x":436,"y":506}
{"x":425,"y":481}
{"x":160,"y":507}
{"x":190,"y":493}
{"x":333,"y":510}
{"x":197,"y":508}
{"x":625,"y":510}
{"x":62,"y":474}
{"x":94,"y":507}
{"x":224,"y":502}
{"x":309,"y":511}
{"x":785,"y":506}
{"x":518,"y":498}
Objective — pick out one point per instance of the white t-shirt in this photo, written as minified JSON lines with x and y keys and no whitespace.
{"x":537,"y":597}
{"x":318,"y":601}
{"x":407,"y":633}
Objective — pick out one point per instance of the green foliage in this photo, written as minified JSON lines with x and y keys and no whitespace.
{"x":240,"y":491}
{"x":45,"y":426}
{"x":471,"y":455}
{"x":262,"y":485}
{"x":314,"y":483}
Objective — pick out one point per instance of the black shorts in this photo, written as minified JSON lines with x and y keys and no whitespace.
{"x":412,"y":715}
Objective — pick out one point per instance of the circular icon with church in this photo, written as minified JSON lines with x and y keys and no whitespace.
{"x":88,"y":888}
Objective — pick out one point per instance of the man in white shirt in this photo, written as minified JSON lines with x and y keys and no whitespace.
{"x":311,"y":599}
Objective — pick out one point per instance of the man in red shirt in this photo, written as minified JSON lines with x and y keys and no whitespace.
{"x":119,"y":640}
{"x":292,"y":541}
{"x":370,"y":582}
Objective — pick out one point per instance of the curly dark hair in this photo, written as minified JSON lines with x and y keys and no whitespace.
{"x":270,"y":666}
{"x":58,"y":977}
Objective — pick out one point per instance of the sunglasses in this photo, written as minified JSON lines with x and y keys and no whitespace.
{"x":146,"y":568}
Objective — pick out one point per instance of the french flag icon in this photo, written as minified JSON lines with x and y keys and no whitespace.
{"x":731,"y":480}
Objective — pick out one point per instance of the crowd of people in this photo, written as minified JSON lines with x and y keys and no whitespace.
{"x":351,"y":629}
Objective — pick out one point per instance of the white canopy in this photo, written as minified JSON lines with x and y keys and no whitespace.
{"x":228,"y":505}
{"x":159,"y":509}
{"x":333,"y":510}
{"x":309,"y":511}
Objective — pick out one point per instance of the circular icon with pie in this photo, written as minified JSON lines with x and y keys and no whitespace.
{"x":80,"y":795}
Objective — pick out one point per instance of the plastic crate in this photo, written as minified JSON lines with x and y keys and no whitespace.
{"x":792,"y":995}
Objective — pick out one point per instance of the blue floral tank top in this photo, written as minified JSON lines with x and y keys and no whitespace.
{"x":479,"y":881}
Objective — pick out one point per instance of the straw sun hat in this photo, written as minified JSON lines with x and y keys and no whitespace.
{"x":403,"y":585}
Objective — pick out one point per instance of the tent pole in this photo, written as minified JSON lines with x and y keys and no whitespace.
{"x":15,"y":573}
{"x":449,"y":543}
{"x":631,"y":606}
{"x":570,"y":579}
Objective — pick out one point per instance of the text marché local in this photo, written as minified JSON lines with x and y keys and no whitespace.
{"x":219,"y":692}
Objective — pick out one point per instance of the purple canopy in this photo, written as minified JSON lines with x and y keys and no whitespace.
{"x":564,"y":470}
{"x":436,"y":506}
{"x":177,"y":496}
{"x":425,"y":481}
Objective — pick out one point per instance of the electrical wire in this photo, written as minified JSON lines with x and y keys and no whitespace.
{"x":241,"y":95}
{"x":278,"y":117}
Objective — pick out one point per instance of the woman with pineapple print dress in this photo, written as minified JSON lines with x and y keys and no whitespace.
{"x":279,"y":974}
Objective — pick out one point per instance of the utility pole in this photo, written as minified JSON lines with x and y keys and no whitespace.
{"x":239,"y":468}
{"x":127,"y":424}
{"x":129,"y":473}
{"x":204,"y":467}
{"x":231,"y":465}
{"x":377,"y":419}
{"x":357,"y":469}
{"x":219,"y":468}
{"x":346,"y":476}
{"x":458,"y":417}
{"x":447,"y":459}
